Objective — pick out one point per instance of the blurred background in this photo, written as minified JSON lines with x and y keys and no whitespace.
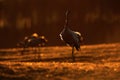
{"x":97,"y":20}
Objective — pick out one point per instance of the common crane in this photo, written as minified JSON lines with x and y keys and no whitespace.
{"x":70,"y":37}
{"x":32,"y":41}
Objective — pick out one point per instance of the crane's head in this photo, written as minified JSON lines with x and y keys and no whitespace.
{"x":67,"y":12}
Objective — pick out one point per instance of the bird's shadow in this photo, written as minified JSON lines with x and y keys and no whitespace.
{"x":89,"y":59}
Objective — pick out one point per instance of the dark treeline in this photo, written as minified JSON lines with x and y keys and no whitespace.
{"x":97,"y":20}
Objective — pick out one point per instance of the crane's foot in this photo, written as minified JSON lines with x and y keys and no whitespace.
{"x":73,"y":59}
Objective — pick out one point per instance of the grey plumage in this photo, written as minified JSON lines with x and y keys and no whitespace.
{"x":33,"y":41}
{"x":70,"y":37}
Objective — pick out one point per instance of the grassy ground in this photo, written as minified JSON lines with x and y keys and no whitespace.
{"x":93,"y":62}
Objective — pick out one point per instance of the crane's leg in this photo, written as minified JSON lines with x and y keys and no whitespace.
{"x":39,"y":54}
{"x":73,"y":57}
{"x":22,"y":52}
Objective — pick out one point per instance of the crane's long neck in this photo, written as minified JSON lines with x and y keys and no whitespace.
{"x":66,"y":20}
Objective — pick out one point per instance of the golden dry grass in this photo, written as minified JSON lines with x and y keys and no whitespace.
{"x":93,"y":62}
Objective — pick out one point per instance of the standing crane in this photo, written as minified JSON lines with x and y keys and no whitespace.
{"x":32,"y":41}
{"x":70,"y":37}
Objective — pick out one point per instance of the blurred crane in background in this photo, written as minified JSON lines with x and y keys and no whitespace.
{"x":32,"y":41}
{"x":70,"y":37}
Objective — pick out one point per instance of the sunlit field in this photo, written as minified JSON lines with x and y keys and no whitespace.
{"x":93,"y":62}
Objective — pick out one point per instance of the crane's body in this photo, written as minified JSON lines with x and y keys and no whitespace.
{"x":33,"y":41}
{"x":70,"y":37}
